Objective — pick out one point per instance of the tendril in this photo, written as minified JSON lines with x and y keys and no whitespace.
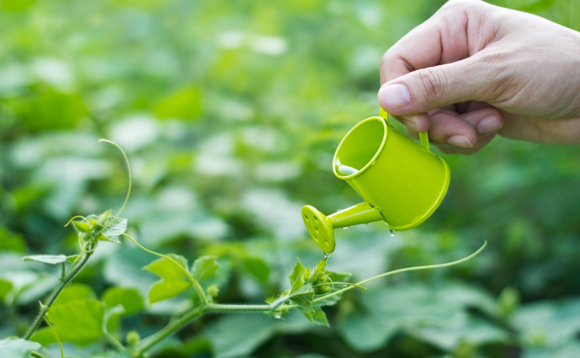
{"x":128,"y":171}
{"x":75,"y":217}
{"x":415,"y":268}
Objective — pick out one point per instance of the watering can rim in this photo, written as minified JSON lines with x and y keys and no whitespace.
{"x":373,"y":159}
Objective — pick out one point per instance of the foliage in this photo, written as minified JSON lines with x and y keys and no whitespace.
{"x":230,"y":113}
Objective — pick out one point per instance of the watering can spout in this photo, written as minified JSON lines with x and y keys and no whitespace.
{"x":321,"y":227}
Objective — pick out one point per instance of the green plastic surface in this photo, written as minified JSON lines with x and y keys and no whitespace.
{"x":401,"y":181}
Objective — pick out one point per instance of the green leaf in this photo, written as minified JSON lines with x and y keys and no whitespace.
{"x":236,"y":336}
{"x":257,"y":267}
{"x":431,"y":314}
{"x":508,"y":301}
{"x":115,"y":228}
{"x":549,"y":322}
{"x":231,"y":335}
{"x":298,"y":276}
{"x":16,"y":347}
{"x":47,"y":259}
{"x":302,"y":296}
{"x":204,"y":267}
{"x":475,"y":332}
{"x":16,"y":5}
{"x":124,"y":268}
{"x":42,"y":284}
{"x":112,"y":317}
{"x":365,"y":333}
{"x":75,"y":292}
{"x":173,"y":279}
{"x":5,"y":287}
{"x":305,"y":285}
{"x":319,"y":317}
{"x":10,"y":241}
{"x":184,"y":104}
{"x":79,"y":322}
{"x":321,"y":266}
{"x":48,"y":109}
{"x":129,"y":298}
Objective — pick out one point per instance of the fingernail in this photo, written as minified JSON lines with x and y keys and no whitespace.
{"x":410,"y":123}
{"x":395,"y":96}
{"x":460,"y":141}
{"x":489,"y":124}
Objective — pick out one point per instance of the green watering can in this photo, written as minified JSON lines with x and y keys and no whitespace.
{"x":402,"y":183}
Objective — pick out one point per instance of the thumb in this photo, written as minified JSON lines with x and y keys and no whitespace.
{"x":426,"y":89}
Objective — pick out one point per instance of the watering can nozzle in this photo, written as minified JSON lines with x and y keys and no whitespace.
{"x":321,"y":227}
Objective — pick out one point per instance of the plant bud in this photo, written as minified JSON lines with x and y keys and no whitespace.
{"x":102,"y":237}
{"x":213,"y":291}
{"x":326,"y":285}
{"x":133,"y":338}
{"x":82,"y":226}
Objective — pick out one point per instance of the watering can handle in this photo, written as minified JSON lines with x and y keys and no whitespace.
{"x":424,"y":137}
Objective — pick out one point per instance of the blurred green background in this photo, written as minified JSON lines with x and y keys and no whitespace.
{"x":230,"y":112}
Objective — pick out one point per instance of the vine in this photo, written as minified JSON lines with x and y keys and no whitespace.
{"x":309,"y":290}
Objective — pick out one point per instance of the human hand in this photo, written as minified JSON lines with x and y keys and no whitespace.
{"x":474,"y":70}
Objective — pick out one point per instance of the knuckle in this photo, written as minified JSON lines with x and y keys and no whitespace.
{"x":453,"y":6}
{"x":432,"y":82}
{"x":456,"y":7}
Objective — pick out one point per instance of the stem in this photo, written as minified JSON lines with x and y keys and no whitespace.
{"x":416,"y":268}
{"x":193,"y":281}
{"x":36,"y":355}
{"x":55,"y":294}
{"x":63,"y":271}
{"x":128,"y":170}
{"x":113,"y":341}
{"x":72,"y":265}
{"x":340,"y":283}
{"x":171,"y":328}
{"x":213,"y":307}
{"x":55,"y":336}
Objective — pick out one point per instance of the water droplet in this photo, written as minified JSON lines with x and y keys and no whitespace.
{"x":392,"y":232}
{"x":345,"y":228}
{"x":326,"y":254}
{"x":344,"y":169}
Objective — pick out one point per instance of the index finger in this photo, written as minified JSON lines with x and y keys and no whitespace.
{"x":441,"y":39}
